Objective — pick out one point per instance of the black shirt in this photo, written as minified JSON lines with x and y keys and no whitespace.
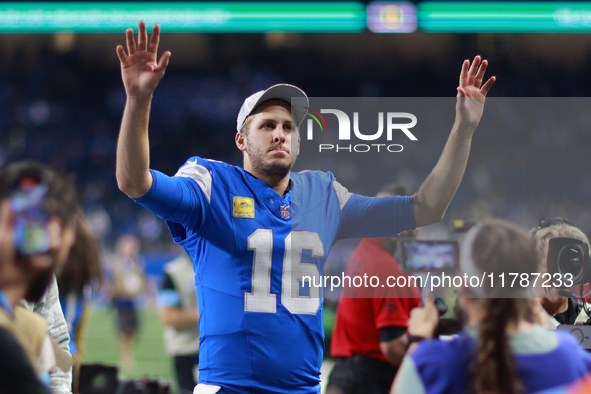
{"x":570,"y":315}
{"x":17,"y":375}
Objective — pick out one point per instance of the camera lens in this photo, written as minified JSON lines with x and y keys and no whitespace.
{"x":570,"y":260}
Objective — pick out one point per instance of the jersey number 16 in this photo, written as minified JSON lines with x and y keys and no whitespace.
{"x":260,"y":299}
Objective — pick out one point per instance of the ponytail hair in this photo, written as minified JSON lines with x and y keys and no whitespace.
{"x":495,"y":364}
{"x":500,"y":247}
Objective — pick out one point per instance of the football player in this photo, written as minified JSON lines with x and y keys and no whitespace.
{"x":254,"y":231}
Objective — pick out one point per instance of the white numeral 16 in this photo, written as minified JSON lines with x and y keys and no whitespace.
{"x":260,"y":299}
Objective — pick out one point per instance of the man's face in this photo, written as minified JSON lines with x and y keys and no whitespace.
{"x":272,"y":142}
{"x":128,"y":246}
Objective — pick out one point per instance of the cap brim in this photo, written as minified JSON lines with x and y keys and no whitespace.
{"x":286,"y":93}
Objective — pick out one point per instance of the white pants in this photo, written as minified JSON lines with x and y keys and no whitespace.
{"x":206,"y":389}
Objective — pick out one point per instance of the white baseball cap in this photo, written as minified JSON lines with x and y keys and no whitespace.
{"x":280,"y":91}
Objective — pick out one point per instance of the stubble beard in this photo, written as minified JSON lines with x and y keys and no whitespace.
{"x":274,"y":170}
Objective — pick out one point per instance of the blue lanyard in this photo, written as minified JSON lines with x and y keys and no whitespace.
{"x":5,"y":304}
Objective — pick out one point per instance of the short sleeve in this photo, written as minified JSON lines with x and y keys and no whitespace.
{"x":392,"y":311}
{"x":408,"y":379}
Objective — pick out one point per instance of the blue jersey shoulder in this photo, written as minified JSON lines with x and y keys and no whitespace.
{"x":309,"y":186}
{"x":211,"y":174}
{"x":309,"y":177}
{"x":210,"y":164}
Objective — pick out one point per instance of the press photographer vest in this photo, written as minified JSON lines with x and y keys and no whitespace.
{"x":184,"y":341}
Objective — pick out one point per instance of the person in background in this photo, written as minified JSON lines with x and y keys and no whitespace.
{"x":560,"y":309}
{"x":49,"y":356}
{"x":49,"y":307}
{"x":369,"y":337}
{"x":179,"y":314}
{"x":36,"y":233}
{"x":128,"y":283}
{"x":82,"y":270}
{"x":500,"y":351}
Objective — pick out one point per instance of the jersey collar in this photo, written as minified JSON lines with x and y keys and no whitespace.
{"x":279,"y":205}
{"x":261,"y":185}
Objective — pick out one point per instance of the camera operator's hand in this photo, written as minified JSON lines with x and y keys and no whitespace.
{"x":423,"y":320}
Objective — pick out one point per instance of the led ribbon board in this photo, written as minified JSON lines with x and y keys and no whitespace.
{"x":391,"y":17}
{"x":504,"y":17}
{"x":177,"y":17}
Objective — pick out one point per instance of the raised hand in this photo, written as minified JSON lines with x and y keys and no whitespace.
{"x":141,"y":70}
{"x":423,"y":320}
{"x":472,"y":93}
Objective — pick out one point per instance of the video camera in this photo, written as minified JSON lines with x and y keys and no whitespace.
{"x":102,"y":379}
{"x":429,"y":255}
{"x":433,"y":256}
{"x":566,"y":255}
{"x":569,"y":256}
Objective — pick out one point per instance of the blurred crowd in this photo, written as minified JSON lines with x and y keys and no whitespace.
{"x":64,"y":110}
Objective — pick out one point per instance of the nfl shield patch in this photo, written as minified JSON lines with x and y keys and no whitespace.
{"x":285,"y":212}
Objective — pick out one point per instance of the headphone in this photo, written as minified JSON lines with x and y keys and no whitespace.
{"x":552,"y":221}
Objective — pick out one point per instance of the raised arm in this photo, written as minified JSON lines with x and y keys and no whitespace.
{"x":141,"y":71}
{"x":434,"y":196}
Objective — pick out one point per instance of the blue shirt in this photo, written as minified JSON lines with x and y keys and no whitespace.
{"x":259,"y":328}
{"x":543,"y":359}
{"x":73,"y":305}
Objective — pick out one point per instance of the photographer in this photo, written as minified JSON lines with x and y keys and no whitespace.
{"x":500,"y":351}
{"x":128,"y":284}
{"x":561,"y":310}
{"x":179,"y":314}
{"x":36,"y":233}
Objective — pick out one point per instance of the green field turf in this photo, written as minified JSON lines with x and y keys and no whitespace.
{"x":151,"y":358}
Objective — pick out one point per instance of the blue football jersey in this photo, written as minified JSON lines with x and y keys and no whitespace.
{"x":260,"y":329}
